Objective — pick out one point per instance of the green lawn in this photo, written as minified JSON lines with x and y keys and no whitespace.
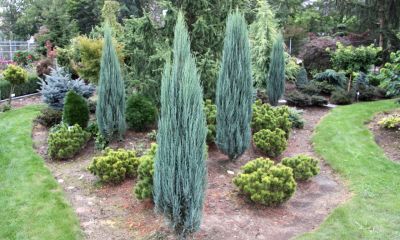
{"x":343,"y":140}
{"x":32,"y":205}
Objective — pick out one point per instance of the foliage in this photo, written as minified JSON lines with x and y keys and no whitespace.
{"x":110,"y":110}
{"x":93,"y":129}
{"x":390,"y":75}
{"x":354,"y":59}
{"x":49,"y":117}
{"x":15,"y":75}
{"x":152,"y":135}
{"x":390,"y":122}
{"x":58,"y":83}
{"x":292,"y":69}
{"x":114,"y":166}
{"x":302,"y":77}
{"x":267,"y":117}
{"x":265,"y":182}
{"x":296,"y":117}
{"x":24,"y":58}
{"x":85,"y":56}
{"x":272,"y":143}
{"x":276,"y":74}
{"x":341,"y":97}
{"x":85,"y":12}
{"x":144,"y":186}
{"x":44,"y":67}
{"x":30,"y":86}
{"x":181,"y":140}
{"x":140,"y":112}
{"x":210,"y":110}
{"x":300,"y":99}
{"x":364,"y":91}
{"x":75,"y":110}
{"x":100,"y":142}
{"x":92,"y":104}
{"x":263,"y":32}
{"x":5,"y":108}
{"x":304,"y":167}
{"x":332,"y":77}
{"x":66,"y":141}
{"x":234,"y":90}
{"x":29,"y":190}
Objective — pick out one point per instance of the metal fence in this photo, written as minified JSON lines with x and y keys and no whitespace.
{"x":8,"y":48}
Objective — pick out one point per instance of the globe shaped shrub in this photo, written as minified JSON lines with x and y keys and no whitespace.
{"x":115,"y":165}
{"x":75,"y":110}
{"x":140,"y":112}
{"x":272,"y":143}
{"x":144,"y":186}
{"x":304,"y":167}
{"x":265,"y":182}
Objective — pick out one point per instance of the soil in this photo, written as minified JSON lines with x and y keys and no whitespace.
{"x":112,"y":212}
{"x":17,"y":103}
{"x":387,"y":139}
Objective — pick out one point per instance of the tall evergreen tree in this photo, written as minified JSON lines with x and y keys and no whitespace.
{"x":234,"y":89}
{"x":110,"y":111}
{"x":180,"y":169}
{"x":276,"y":75}
{"x":263,"y":33}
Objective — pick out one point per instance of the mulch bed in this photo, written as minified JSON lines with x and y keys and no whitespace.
{"x":112,"y":211}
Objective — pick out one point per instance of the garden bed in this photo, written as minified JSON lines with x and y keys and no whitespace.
{"x":112,"y":211}
{"x":387,"y":139}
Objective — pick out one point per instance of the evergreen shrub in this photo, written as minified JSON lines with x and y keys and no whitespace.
{"x":265,"y":182}
{"x":49,"y":117}
{"x":272,"y":143}
{"x":144,"y":186}
{"x":75,"y":110}
{"x":304,"y":167}
{"x":140,"y":112}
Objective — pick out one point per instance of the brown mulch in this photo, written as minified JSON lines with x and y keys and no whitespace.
{"x":387,"y":139}
{"x":22,"y":102}
{"x":112,"y":211}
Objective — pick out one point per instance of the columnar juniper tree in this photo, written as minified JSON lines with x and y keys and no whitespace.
{"x":110,"y":111}
{"x":234,"y":90}
{"x":276,"y":75}
{"x":180,"y":170}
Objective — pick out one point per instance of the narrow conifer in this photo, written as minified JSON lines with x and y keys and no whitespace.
{"x":276,"y":75}
{"x":180,"y":169}
{"x":110,"y":111}
{"x":234,"y":90}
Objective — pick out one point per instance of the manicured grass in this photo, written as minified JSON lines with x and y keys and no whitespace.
{"x":32,"y":205}
{"x":344,"y":141}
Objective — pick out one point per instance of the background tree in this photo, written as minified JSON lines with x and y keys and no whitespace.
{"x":110,"y":111}
{"x":86,"y":13}
{"x":263,"y":33}
{"x":180,"y":168}
{"x":234,"y":89}
{"x":276,"y":75}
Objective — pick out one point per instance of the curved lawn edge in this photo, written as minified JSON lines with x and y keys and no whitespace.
{"x":343,"y":140}
{"x":32,"y":204}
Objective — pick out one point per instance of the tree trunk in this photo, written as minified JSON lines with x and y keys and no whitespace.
{"x":381,"y":22}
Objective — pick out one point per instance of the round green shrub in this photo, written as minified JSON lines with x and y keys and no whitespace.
{"x":115,"y":165}
{"x":210,"y":110}
{"x":64,"y":141}
{"x":15,"y":75}
{"x":390,"y":122}
{"x":267,"y":117}
{"x":76,"y":110}
{"x":49,"y":117}
{"x":304,"y":167}
{"x":341,"y":97}
{"x":144,"y":186}
{"x":272,"y":143}
{"x":140,"y":112}
{"x":265,"y":182}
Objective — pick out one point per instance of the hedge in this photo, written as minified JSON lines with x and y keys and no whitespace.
{"x":31,"y":86}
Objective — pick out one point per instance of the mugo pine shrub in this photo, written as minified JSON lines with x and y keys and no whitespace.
{"x":65,"y":141}
{"x":272,"y":143}
{"x":76,"y":110}
{"x":144,"y":186}
{"x":234,"y":90}
{"x":140,"y":112}
{"x":110,"y":110}
{"x":304,"y":167}
{"x":181,"y":140}
{"x":267,"y":117}
{"x":265,"y":182}
{"x":115,"y":165}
